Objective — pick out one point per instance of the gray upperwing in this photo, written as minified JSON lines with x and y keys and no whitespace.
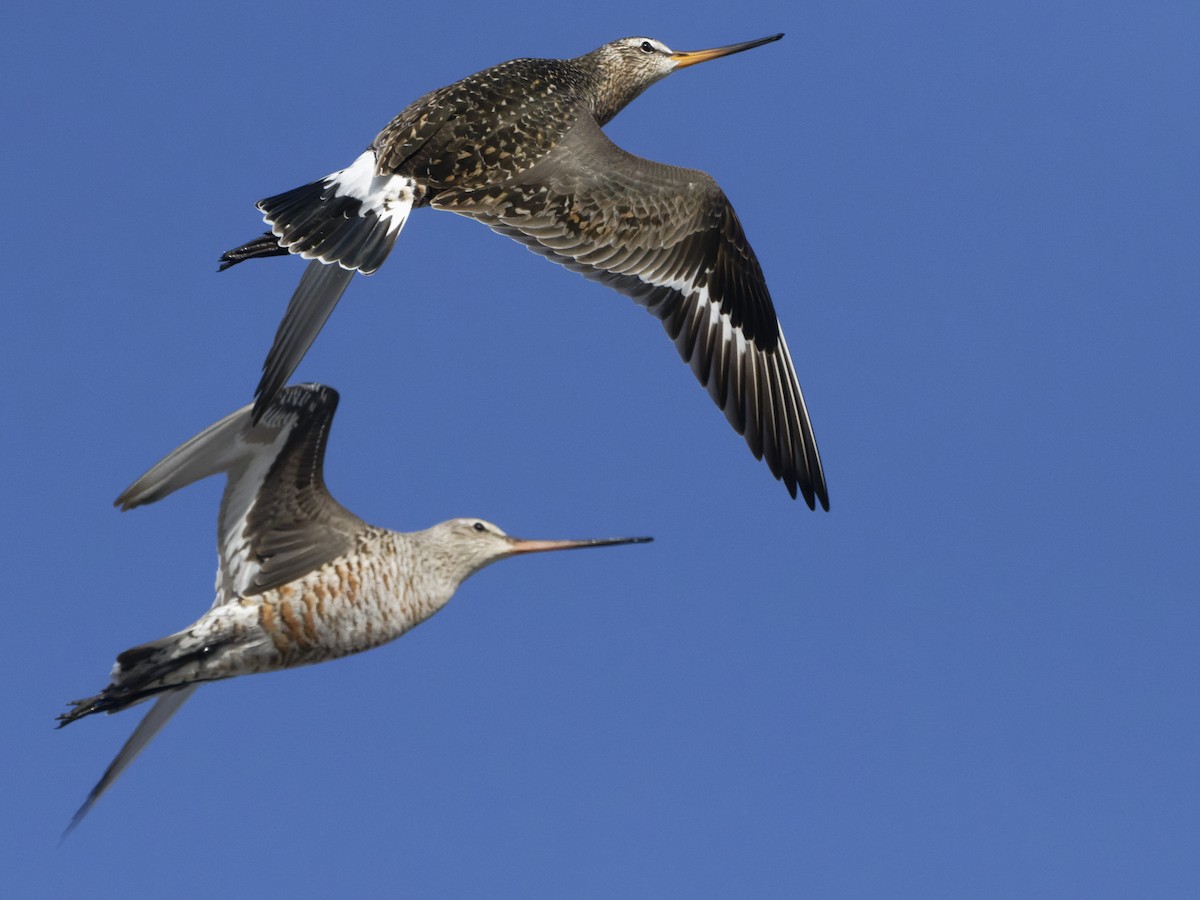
{"x":216,"y":449}
{"x":277,"y":521}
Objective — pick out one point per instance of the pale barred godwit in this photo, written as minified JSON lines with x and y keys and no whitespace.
{"x":301,"y":579}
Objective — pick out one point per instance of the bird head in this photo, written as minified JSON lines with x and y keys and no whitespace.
{"x":630,"y":65}
{"x":468,"y":545}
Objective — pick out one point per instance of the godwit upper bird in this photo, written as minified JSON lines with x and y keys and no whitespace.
{"x":519,"y":147}
{"x":301,"y":579}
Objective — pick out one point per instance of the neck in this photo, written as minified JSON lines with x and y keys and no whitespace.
{"x":611,"y":87}
{"x":442,"y":566}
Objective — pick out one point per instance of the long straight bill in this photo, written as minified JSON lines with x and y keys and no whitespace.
{"x":685,"y":58}
{"x":524,"y":546}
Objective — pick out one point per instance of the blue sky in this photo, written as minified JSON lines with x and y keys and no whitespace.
{"x":976,"y":676}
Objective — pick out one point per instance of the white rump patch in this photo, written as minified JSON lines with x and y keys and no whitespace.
{"x":388,"y":196}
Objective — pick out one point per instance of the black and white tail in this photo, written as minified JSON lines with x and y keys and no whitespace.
{"x":133,"y":680}
{"x":140,"y":673}
{"x":346,"y":222}
{"x":164,"y":708}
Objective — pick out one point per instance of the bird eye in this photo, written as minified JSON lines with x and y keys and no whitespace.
{"x":478,"y":526}
{"x":647,"y":47}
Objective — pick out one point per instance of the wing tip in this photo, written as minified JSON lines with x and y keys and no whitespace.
{"x":813,"y":492}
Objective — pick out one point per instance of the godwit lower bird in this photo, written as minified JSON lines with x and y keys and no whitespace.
{"x":519,"y":147}
{"x":301,"y":579}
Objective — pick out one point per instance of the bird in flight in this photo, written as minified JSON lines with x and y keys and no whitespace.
{"x":301,"y":579}
{"x":520,"y":148}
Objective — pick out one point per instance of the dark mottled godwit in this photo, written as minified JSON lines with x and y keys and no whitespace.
{"x":520,"y":148}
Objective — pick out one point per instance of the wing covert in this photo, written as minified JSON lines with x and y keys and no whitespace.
{"x":277,"y":520}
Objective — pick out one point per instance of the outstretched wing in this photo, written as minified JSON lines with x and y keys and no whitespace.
{"x":320,"y":288}
{"x":277,"y":521}
{"x":668,"y":238}
{"x":164,"y":707}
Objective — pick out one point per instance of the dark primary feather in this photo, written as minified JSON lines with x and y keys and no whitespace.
{"x":320,"y":289}
{"x":295,"y":526}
